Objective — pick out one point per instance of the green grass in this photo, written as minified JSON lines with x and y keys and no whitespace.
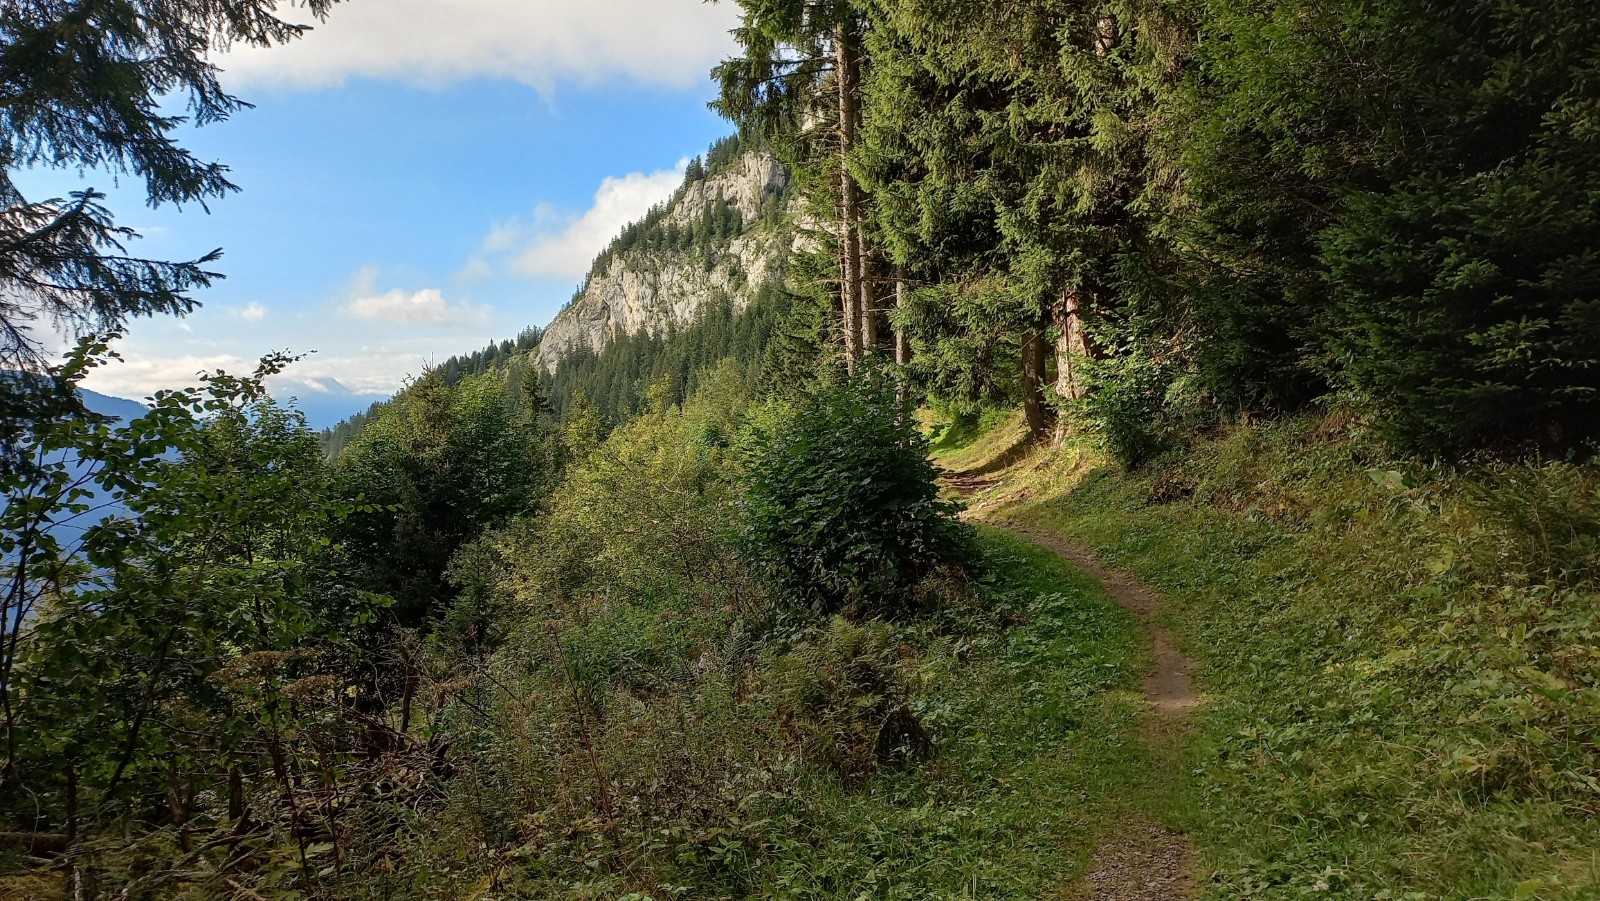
{"x":1033,"y":702}
{"x":1401,"y":660}
{"x":967,"y":442}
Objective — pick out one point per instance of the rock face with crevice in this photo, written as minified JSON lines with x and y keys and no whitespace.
{"x":652,"y":290}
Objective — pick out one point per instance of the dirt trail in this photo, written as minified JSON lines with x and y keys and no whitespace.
{"x":1167,"y":686}
{"x":1138,"y":860}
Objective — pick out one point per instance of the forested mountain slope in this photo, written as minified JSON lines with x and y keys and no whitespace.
{"x":1286,"y":307}
{"x":701,"y":277}
{"x":722,"y":235}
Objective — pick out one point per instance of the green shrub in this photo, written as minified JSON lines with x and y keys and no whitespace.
{"x":840,"y":499}
{"x":1127,"y":408}
{"x":843,"y":699}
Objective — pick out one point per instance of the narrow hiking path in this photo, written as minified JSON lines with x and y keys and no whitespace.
{"x":1138,"y":860}
{"x":1167,"y":686}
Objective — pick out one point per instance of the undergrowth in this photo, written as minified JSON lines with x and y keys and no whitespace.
{"x":668,"y":748}
{"x":634,"y":708}
{"x":1402,"y":661}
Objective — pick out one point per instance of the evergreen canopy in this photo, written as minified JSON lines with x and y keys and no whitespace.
{"x":87,"y":84}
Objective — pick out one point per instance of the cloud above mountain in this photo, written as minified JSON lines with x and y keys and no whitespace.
{"x":671,"y":43}
{"x":423,"y":307}
{"x":553,"y":244}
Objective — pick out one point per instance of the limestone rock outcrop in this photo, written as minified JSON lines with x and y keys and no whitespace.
{"x":654,"y":289}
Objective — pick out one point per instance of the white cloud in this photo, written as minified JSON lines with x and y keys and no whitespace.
{"x":656,"y":42}
{"x":418,"y":307}
{"x":562,"y":246}
{"x":380,"y":370}
{"x":137,"y":376}
{"x":476,"y":270}
{"x":369,"y":370}
{"x":425,"y":307}
{"x":251,"y":312}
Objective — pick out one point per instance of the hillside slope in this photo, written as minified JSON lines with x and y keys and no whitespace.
{"x":1398,"y":658}
{"x":691,"y":283}
{"x":720,"y":236}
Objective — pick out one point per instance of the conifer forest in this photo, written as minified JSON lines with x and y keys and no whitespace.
{"x":1048,"y":449}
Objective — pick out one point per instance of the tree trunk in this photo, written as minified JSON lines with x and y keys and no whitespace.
{"x":235,"y":793}
{"x":1073,"y":346}
{"x":1105,"y":38}
{"x":871,"y":317}
{"x":1035,"y":359}
{"x":72,"y":802}
{"x":902,"y":345}
{"x":408,"y":689}
{"x":902,"y":341}
{"x":847,"y":74}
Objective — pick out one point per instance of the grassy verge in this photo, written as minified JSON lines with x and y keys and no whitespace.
{"x":965,"y":443}
{"x":1402,"y":660}
{"x":1033,"y":703}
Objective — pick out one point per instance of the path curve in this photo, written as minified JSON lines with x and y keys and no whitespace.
{"x":1138,"y":860}
{"x":1168,"y":686}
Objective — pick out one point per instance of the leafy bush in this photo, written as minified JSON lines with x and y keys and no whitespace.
{"x":1127,"y":408}
{"x":840,"y":499}
{"x":843,"y":698}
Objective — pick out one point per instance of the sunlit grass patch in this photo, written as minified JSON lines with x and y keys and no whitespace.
{"x":1036,"y":718}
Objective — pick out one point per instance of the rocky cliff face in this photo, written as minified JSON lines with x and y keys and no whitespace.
{"x":654,"y":289}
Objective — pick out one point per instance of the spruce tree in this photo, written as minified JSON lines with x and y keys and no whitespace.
{"x":803,"y":63}
{"x":83,"y":84}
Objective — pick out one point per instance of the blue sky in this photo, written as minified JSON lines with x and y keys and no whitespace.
{"x":413,"y":187}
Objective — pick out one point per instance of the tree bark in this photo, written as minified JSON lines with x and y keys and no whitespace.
{"x":235,"y":793}
{"x":871,"y":316}
{"x":1035,"y":359}
{"x":1073,"y":345}
{"x":847,"y":73}
{"x":72,"y":802}
{"x":902,"y":341}
{"x":1105,"y":38}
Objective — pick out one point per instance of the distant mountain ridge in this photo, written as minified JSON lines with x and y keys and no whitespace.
{"x":118,"y":407}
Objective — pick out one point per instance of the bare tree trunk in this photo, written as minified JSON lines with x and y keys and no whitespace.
{"x":408,"y":688}
{"x":235,"y":793}
{"x":1073,"y":346}
{"x":178,"y":804}
{"x":847,"y":74}
{"x":1035,"y":359}
{"x":902,"y":341}
{"x":902,"y":345}
{"x":72,"y":802}
{"x":871,"y":316}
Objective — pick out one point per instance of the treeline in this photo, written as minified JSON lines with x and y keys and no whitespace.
{"x":1157,"y":216}
{"x":632,"y":374}
{"x":483,"y":362}
{"x":492,"y":358}
{"x":643,"y":371}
